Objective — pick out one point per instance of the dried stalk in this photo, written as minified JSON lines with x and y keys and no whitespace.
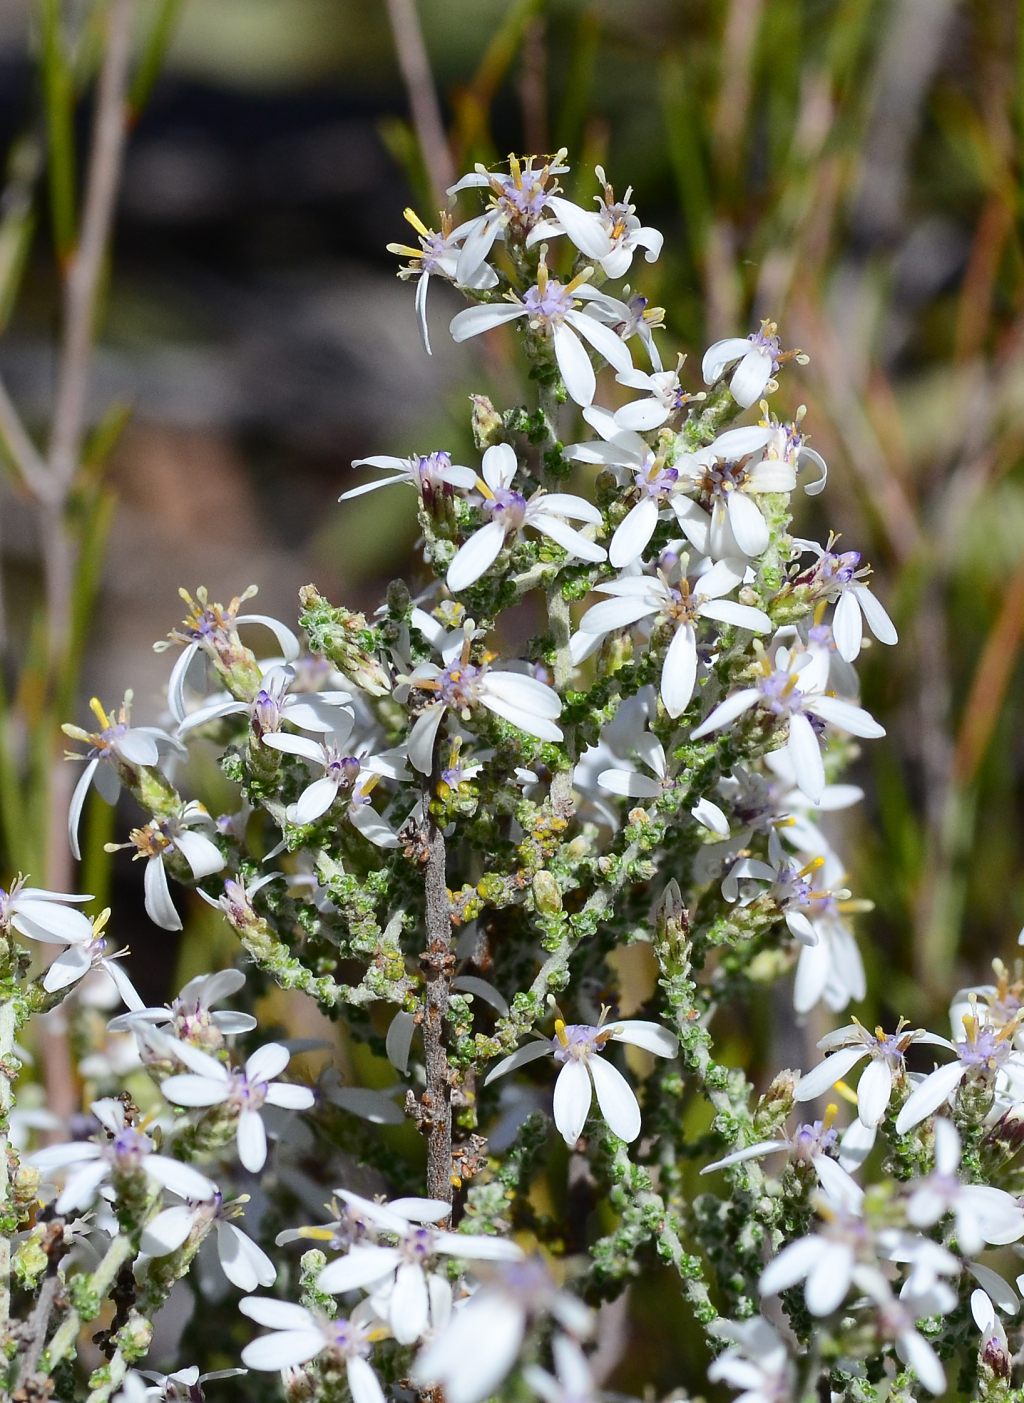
{"x":424,"y":107}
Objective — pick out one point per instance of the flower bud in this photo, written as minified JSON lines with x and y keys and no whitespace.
{"x":488,"y":427}
{"x":546,"y":895}
{"x":335,"y":634}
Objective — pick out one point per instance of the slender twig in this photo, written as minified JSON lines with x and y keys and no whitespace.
{"x":81,"y":290}
{"x":439,"y":964}
{"x":38,"y":1324}
{"x":424,"y":108}
{"x":25,"y":458}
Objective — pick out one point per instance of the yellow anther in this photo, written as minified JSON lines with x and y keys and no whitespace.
{"x":831,"y":1111}
{"x":99,"y":713}
{"x":542,"y":271}
{"x":819,"y":611}
{"x":417,"y":223}
{"x":812,"y":866}
{"x":481,"y":486}
{"x":579,"y":279}
{"x":846,"y":1092}
{"x":517,"y":174}
{"x":560,"y":1032}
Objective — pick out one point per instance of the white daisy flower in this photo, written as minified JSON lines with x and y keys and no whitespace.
{"x":756,"y":1361}
{"x":123,"y":1150}
{"x":983,"y":1215}
{"x":838,"y":578}
{"x":212,"y":1083}
{"x":354,"y":776}
{"x":577,"y":1046}
{"x":846,"y":1047}
{"x":83,"y":956}
{"x":437,"y":257}
{"x":806,"y":1145}
{"x":517,"y":200}
{"x":183,"y":1386}
{"x":160,"y":837}
{"x":759,"y":357}
{"x":510,"y":512}
{"x":429,"y":473}
{"x":461,"y":685}
{"x":470,"y":1358}
{"x":244,"y":1263}
{"x":794,"y":689}
{"x":213,"y":630}
{"x":984,"y":1054}
{"x":552,"y":309}
{"x":666,"y":397}
{"x":680,"y":605}
{"x":116,"y":743}
{"x":723,"y":519}
{"x":400,"y":1276}
{"x":896,"y":1319}
{"x":610,"y":236}
{"x":41,"y":915}
{"x":274,"y":704}
{"x":572,"y":1381}
{"x":299,"y":1336}
{"x":190,"y":1013}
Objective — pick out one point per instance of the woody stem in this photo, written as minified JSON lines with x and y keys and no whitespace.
{"x":439,"y":966}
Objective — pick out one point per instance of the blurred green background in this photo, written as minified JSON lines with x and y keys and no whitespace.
{"x":850,"y":169}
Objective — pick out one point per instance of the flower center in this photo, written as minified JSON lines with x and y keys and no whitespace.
{"x":507,"y":505}
{"x":129,"y":1147}
{"x":346,"y":1339}
{"x":457,"y":684}
{"x":247,"y":1095}
{"x":550,"y":305}
{"x":418,"y":1246}
{"x":575,"y":1042}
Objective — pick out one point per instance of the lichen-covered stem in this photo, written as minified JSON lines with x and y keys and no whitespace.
{"x":8,"y":1025}
{"x":439,"y":964}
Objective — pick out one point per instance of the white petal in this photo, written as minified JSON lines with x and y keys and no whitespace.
{"x":190,"y":1090}
{"x":738,"y":443}
{"x":529,"y":1052}
{"x":805,"y":754}
{"x":574,"y":365}
{"x":615,"y":1096}
{"x":408,"y":1305}
{"x":361,"y":1267}
{"x":296,"y":745}
{"x":474,"y":320}
{"x":499,"y":466}
{"x":526,"y":692}
{"x":725,"y":611}
{"x":763,"y":1147}
{"x":314,"y":801}
{"x":180,"y":1178}
{"x":572,"y":1101}
{"x":476,"y":556}
{"x":823,"y":1077}
{"x":652,"y":1036}
{"x":362,"y":1381}
{"x":583,"y":227}
{"x":846,"y":716}
{"x":286,"y":640}
{"x":947,"y":1146}
{"x":478,"y":244}
{"x":282,"y":1350}
{"x":679,"y":670}
{"x":252,"y":1141}
{"x":290,"y":1096}
{"x":726,"y":712}
{"x":476,"y":1247}
{"x":709,"y":815}
{"x":77,"y":804}
{"x":202,"y":855}
{"x":277,"y":1315}
{"x":603,"y":339}
{"x":159,"y":906}
{"x":67,"y":968}
{"x":612,"y":614}
{"x":929,"y":1096}
{"x":923,"y":1361}
{"x":399,"y":1040}
{"x":476,"y":1351}
{"x":570,"y":540}
{"x":267,"y":1062}
{"x":630,"y":784}
{"x":168,"y":1231}
{"x":527,"y":721}
{"x":878,"y":620}
{"x":993,"y":1284}
{"x":792,"y":1264}
{"x":422,"y":736}
{"x":847,"y":627}
{"x":829,"y":1279}
{"x":137,"y":747}
{"x":873,"y":1091}
{"x":722,"y":354}
{"x":244,"y":1264}
{"x":858,"y":1140}
{"x":748,"y":525}
{"x":569,"y":505}
{"x":751,"y":376}
{"x":80,"y":1189}
{"x":176,"y":682}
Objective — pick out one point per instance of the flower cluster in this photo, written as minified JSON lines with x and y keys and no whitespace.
{"x":480,"y":859}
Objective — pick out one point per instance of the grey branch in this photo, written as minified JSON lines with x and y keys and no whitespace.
{"x":423,"y":104}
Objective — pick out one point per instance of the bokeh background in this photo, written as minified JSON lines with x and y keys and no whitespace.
{"x":848,"y":168}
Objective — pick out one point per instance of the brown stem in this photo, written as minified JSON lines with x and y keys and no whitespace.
{"x":423,"y":104}
{"x":439,"y":963}
{"x":81,"y":288}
